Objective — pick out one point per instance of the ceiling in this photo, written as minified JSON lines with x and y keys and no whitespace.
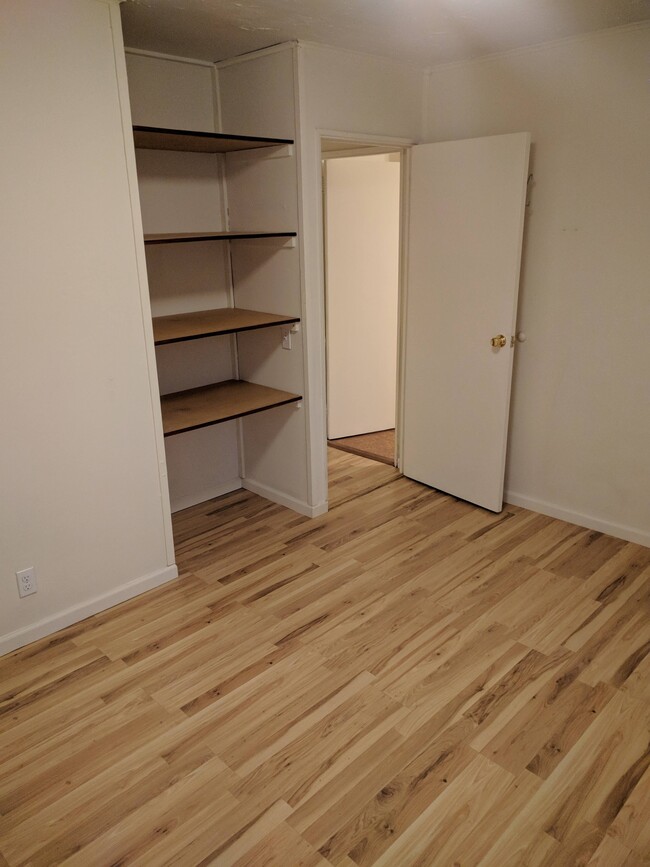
{"x":421,"y":32}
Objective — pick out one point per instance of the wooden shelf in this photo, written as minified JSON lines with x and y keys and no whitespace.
{"x":206,"y":323}
{"x":222,"y":401}
{"x":180,"y":237}
{"x":160,"y":139}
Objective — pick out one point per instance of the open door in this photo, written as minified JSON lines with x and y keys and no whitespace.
{"x":465,"y":227}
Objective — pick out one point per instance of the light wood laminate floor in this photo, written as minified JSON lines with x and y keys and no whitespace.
{"x":408,"y":680}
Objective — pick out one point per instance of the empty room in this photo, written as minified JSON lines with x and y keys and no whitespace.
{"x":238,"y":238}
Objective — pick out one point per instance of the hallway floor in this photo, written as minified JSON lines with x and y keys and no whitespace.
{"x":378,"y":446}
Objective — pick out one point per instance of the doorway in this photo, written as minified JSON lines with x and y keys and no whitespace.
{"x":361,"y":220}
{"x":463,"y":220}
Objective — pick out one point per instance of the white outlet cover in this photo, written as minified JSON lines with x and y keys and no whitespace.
{"x":26,"y":580}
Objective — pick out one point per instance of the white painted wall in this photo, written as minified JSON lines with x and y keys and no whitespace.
{"x":184,"y":192}
{"x":172,"y":93}
{"x":580,"y":423}
{"x":82,"y":499}
{"x":362,"y":211}
{"x":257,"y":96}
{"x":366,"y":96}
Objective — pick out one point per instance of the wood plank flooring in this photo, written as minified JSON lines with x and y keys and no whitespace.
{"x":408,"y":680}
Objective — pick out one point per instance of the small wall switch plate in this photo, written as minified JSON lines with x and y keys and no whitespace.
{"x":285,"y":330}
{"x":26,"y":579}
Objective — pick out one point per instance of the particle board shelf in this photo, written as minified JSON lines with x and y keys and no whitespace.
{"x":219,"y":402}
{"x":181,"y":237}
{"x":207,"y":323}
{"x":159,"y":138}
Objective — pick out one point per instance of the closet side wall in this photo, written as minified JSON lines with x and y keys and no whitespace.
{"x":257,"y":96}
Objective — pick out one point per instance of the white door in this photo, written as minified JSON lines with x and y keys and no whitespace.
{"x":362,"y":274}
{"x":467,"y":201}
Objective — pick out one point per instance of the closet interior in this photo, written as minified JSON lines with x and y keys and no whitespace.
{"x":220,"y":220}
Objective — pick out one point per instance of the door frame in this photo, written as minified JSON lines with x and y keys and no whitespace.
{"x":373,"y":144}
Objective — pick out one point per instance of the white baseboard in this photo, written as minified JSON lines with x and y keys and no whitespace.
{"x":207,"y":494}
{"x":320,"y":509}
{"x":630,"y":534}
{"x":284,"y":500}
{"x":34,"y":631}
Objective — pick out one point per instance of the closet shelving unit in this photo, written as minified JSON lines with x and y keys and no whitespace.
{"x":181,"y":237}
{"x":220,"y":401}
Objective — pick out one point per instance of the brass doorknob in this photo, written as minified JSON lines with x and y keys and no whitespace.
{"x":499,"y":341}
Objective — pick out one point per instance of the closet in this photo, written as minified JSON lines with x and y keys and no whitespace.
{"x":220,"y":229}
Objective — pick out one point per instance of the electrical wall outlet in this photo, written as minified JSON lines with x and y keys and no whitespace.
{"x":26,"y":579}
